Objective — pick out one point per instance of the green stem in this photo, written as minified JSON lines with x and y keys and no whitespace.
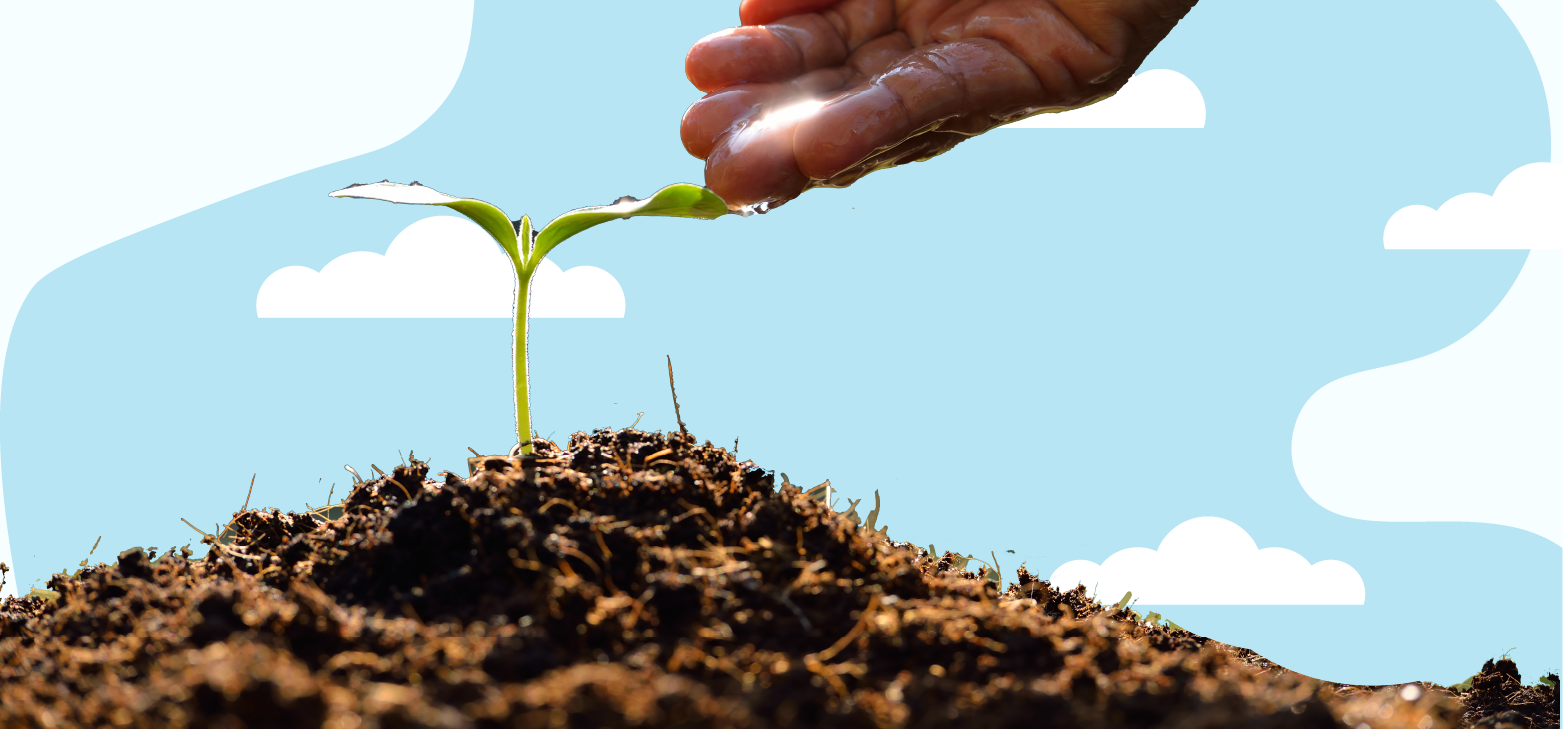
{"x":523,"y":386}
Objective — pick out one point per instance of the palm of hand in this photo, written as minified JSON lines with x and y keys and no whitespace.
{"x":826,"y":91}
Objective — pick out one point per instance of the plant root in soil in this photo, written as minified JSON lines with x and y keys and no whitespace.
{"x":634,"y":579}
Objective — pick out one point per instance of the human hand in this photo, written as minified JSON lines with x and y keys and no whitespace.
{"x":818,"y":93}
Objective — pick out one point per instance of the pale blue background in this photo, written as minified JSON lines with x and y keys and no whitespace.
{"x":1062,"y":342}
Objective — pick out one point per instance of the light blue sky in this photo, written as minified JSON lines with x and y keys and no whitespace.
{"x":1061,"y":342}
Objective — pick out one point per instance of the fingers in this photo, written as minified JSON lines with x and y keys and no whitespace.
{"x":787,"y":45}
{"x":857,"y":20}
{"x":756,"y":164}
{"x":728,"y":110}
{"x":1063,"y":58}
{"x":878,"y":55}
{"x":719,"y":113}
{"x":914,"y":17}
{"x":860,"y":21}
{"x":975,"y":78}
{"x":919,"y":76}
{"x":773,"y":53}
{"x":751,"y":157}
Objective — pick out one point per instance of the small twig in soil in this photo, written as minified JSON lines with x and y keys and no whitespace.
{"x":399,"y":484}
{"x":358,"y":479}
{"x":735,"y":447}
{"x":197,"y":529}
{"x":862,"y":622}
{"x":247,"y":494}
{"x":377,"y":470}
{"x":241,"y":511}
{"x":679,"y":418}
{"x":474,"y":452}
{"x":399,"y":456}
{"x":873,"y":517}
{"x":90,"y":552}
{"x":216,"y":545}
{"x":637,"y":420}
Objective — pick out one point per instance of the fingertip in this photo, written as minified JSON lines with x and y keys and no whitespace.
{"x":760,"y":12}
{"x":740,"y":55}
{"x":709,"y":119}
{"x":755,"y":166}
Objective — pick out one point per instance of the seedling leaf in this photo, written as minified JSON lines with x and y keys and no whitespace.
{"x":680,"y":200}
{"x":873,"y":517}
{"x":1123,"y":601}
{"x":44,"y":594}
{"x":852,"y":515}
{"x":487,"y":215}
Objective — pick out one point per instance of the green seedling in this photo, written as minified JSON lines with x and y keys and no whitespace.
{"x":1122,"y":602}
{"x":991,"y":573}
{"x":851,"y":514}
{"x":819,"y":493}
{"x":881,"y":533}
{"x":957,"y":563}
{"x":526,"y":248}
{"x":90,"y":552}
{"x":46,"y":595}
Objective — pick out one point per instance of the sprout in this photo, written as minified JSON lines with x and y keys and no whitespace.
{"x":526,"y":248}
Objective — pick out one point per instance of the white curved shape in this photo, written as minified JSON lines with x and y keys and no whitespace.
{"x":1526,"y":211}
{"x":414,"y":194}
{"x":107,"y":97}
{"x":580,"y":292}
{"x":1539,"y":22}
{"x":442,"y":266}
{"x":1470,"y":433}
{"x":1159,"y":98}
{"x":1209,"y":561}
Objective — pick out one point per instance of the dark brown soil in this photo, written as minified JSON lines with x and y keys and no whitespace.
{"x":633,"y":579}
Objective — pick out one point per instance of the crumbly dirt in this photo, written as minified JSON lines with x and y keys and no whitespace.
{"x":634,"y":579}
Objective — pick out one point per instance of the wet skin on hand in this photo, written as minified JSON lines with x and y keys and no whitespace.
{"x":818,"y":93}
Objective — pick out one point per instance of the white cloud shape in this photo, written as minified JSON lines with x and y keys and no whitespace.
{"x":1159,"y":98}
{"x":1208,"y":561}
{"x":442,"y":266}
{"x":1470,"y":433}
{"x":1526,"y":211}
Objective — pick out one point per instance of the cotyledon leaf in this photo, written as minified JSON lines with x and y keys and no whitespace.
{"x":680,"y":200}
{"x":487,"y":215}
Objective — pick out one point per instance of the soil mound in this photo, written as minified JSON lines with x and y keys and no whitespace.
{"x":1495,"y":698}
{"x":632,"y":579}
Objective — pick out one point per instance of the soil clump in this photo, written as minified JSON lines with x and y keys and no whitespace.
{"x":633,"y":579}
